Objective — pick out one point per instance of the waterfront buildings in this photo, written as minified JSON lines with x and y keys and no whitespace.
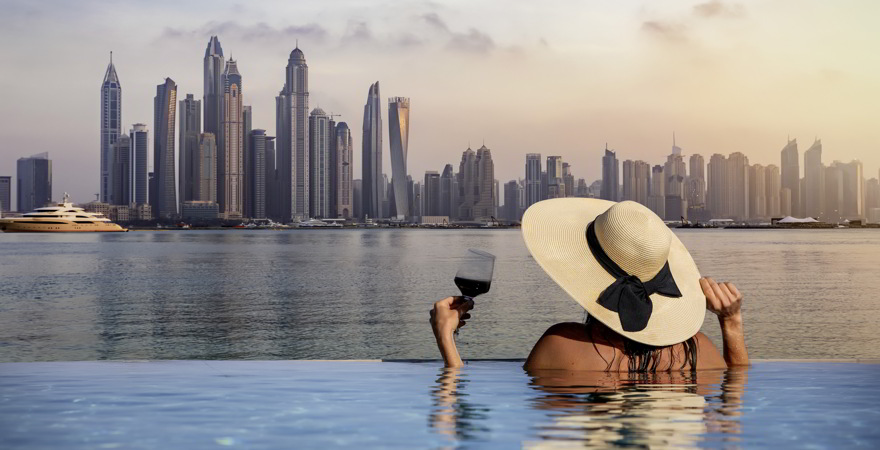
{"x":5,"y":193}
{"x":214,"y":89}
{"x":555,"y":180}
{"x":448,"y":193}
{"x":398,"y":133}
{"x":188,"y":143}
{"x":636,"y":181}
{"x":696,"y":182}
{"x":205,"y":190}
{"x":321,"y":135}
{"x":372,"y":177}
{"x":772,"y":191}
{"x":344,"y":201}
{"x":717,"y":199}
{"x":533,"y":179}
{"x":121,"y":171}
{"x":246,"y":161}
{"x":791,"y":174}
{"x":292,"y":139}
{"x":163,"y":198}
{"x":757,"y":184}
{"x":814,"y":181}
{"x":34,"y":182}
{"x":738,"y":169}
{"x":229,"y":159}
{"x":657,"y":196}
{"x":140,"y":141}
{"x":111,"y":127}
{"x":467,"y":185}
{"x":610,"y":178}
{"x":675,"y":173}
{"x":259,"y":174}
{"x":486,"y":193}
{"x":431,"y":198}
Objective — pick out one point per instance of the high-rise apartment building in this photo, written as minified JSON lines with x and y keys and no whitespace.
{"x":321,"y":135}
{"x":484,"y":206}
{"x":772,"y":189}
{"x":657,"y":196}
{"x":121,"y":171}
{"x":636,"y":181}
{"x":610,"y":177}
{"x":696,"y":181}
{"x":5,"y":193}
{"x":513,"y":191}
{"x":247,"y":121}
{"x":757,"y":191}
{"x":34,"y":182}
{"x":343,"y":168}
{"x":140,"y":145}
{"x":164,"y":197}
{"x":568,"y":179}
{"x":258,"y":176}
{"x":791,"y":175}
{"x":555,"y":180}
{"x":853,"y":207}
{"x":230,"y":156}
{"x":188,"y":142}
{"x":533,"y":179}
{"x":467,"y":185}
{"x":111,"y":127}
{"x":814,"y":181}
{"x":205,"y":189}
{"x":431,"y":199}
{"x":214,"y":90}
{"x":292,"y":141}
{"x":371,"y":162}
{"x":448,"y":193}
{"x":738,"y":189}
{"x":675,"y":173}
{"x":718,"y":181}
{"x":398,"y":133}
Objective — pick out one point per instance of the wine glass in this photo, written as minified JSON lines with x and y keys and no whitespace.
{"x":474,"y":276}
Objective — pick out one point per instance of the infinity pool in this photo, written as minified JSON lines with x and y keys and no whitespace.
{"x":318,"y":404}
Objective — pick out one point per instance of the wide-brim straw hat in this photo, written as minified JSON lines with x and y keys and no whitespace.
{"x":637,"y":240}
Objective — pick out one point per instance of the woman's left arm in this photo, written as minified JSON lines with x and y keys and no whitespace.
{"x":447,"y":316}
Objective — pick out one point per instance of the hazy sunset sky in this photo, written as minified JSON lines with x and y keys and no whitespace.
{"x":553,"y":77}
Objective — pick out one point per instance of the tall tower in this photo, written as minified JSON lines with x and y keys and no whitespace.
{"x":610,"y":176}
{"x":398,"y":132}
{"x":164,"y":197}
{"x":34,"y":176}
{"x":373,"y":181}
{"x":791,"y":176}
{"x":214,"y":89}
{"x":229,"y":161}
{"x":257,"y":177}
{"x":533,"y":179}
{"x":467,"y":185}
{"x":484,"y":205}
{"x":814,"y":181}
{"x":344,"y":150}
{"x":292,"y":142}
{"x":140,"y":144}
{"x":187,"y":160}
{"x":111,"y":127}
{"x":320,"y":134}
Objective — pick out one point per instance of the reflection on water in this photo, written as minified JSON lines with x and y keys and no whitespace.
{"x":599,"y":409}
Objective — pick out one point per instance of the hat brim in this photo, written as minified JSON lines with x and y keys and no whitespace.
{"x":555,"y":233}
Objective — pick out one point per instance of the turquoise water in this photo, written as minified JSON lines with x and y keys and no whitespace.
{"x":343,"y":294}
{"x":312,"y":404}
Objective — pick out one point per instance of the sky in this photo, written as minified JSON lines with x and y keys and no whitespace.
{"x":556,"y":77}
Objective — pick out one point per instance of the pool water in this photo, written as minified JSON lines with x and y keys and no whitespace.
{"x":319,"y":404}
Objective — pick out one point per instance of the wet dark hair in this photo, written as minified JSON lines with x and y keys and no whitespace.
{"x":643,"y":358}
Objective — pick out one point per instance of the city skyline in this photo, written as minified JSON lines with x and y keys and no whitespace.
{"x":794,"y":92}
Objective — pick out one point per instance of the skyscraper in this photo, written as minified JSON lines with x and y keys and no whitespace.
{"x":610,"y":177}
{"x":247,"y":119}
{"x":467,"y":185}
{"x":772,"y":188}
{"x":140,"y":144}
{"x":696,"y":182}
{"x":738,"y":187}
{"x":229,"y":158}
{"x":431,"y":199}
{"x":5,"y":193}
{"x":257,"y":177}
{"x":320,"y":136}
{"x":657,"y":196}
{"x":111,"y":126}
{"x":675,"y":173}
{"x":398,"y":133}
{"x":533,"y":179}
{"x":187,"y":160}
{"x":292,"y":142}
{"x":164,"y":198}
{"x":511,"y":201}
{"x":568,"y":179}
{"x":34,"y":177}
{"x":791,"y":175}
{"x":373,"y":179}
{"x":343,"y":166}
{"x":814,"y":181}
{"x":448,"y":193}
{"x":717,"y":198}
{"x":121,"y":171}
{"x":555,"y":180}
{"x":206,"y":186}
{"x":484,"y":207}
{"x":214,"y":89}
{"x":636,"y":181}
{"x":853,"y":207}
{"x":757,"y":191}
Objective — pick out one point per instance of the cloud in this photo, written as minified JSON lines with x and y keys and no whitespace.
{"x":717,"y":8}
{"x":474,"y":41}
{"x":436,"y":22}
{"x":667,"y":31}
{"x":260,"y":31}
{"x":358,"y":32}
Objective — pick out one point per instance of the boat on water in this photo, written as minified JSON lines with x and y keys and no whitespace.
{"x":316,"y":223}
{"x":61,"y":217}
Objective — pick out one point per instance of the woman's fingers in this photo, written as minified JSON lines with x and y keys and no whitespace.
{"x":719,"y":294}
{"x":730,"y":297}
{"x":711,"y":298}
{"x":734,"y":291}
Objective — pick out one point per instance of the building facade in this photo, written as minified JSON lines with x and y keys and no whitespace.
{"x":791,"y":176}
{"x":533,"y":179}
{"x":164,"y":196}
{"x":373,"y":184}
{"x":140,"y":145}
{"x":292,"y":140}
{"x":610,"y":177}
{"x":814,"y":181}
{"x":205,"y":189}
{"x":111,"y":127}
{"x":343,"y":167}
{"x":5,"y":193}
{"x":214,"y":90}
{"x":321,"y":135}
{"x":121,"y":171}
{"x":188,"y":143}
{"x":398,"y":134}
{"x":34,"y":182}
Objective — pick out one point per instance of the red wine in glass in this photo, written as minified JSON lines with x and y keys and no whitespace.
{"x":474,"y":276}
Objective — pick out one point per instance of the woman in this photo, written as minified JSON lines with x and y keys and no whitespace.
{"x":642,"y":291}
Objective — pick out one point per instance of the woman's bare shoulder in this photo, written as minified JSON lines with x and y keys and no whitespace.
{"x":708,"y":356}
{"x":564,"y":346}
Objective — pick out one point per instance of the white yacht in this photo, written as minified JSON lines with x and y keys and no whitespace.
{"x":59,"y":218}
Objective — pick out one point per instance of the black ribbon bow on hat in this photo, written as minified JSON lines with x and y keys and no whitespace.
{"x":628,"y":296}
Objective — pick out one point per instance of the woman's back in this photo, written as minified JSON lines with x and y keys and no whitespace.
{"x":576,"y":346}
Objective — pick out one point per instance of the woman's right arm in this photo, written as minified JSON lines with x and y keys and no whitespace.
{"x":725,"y":300}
